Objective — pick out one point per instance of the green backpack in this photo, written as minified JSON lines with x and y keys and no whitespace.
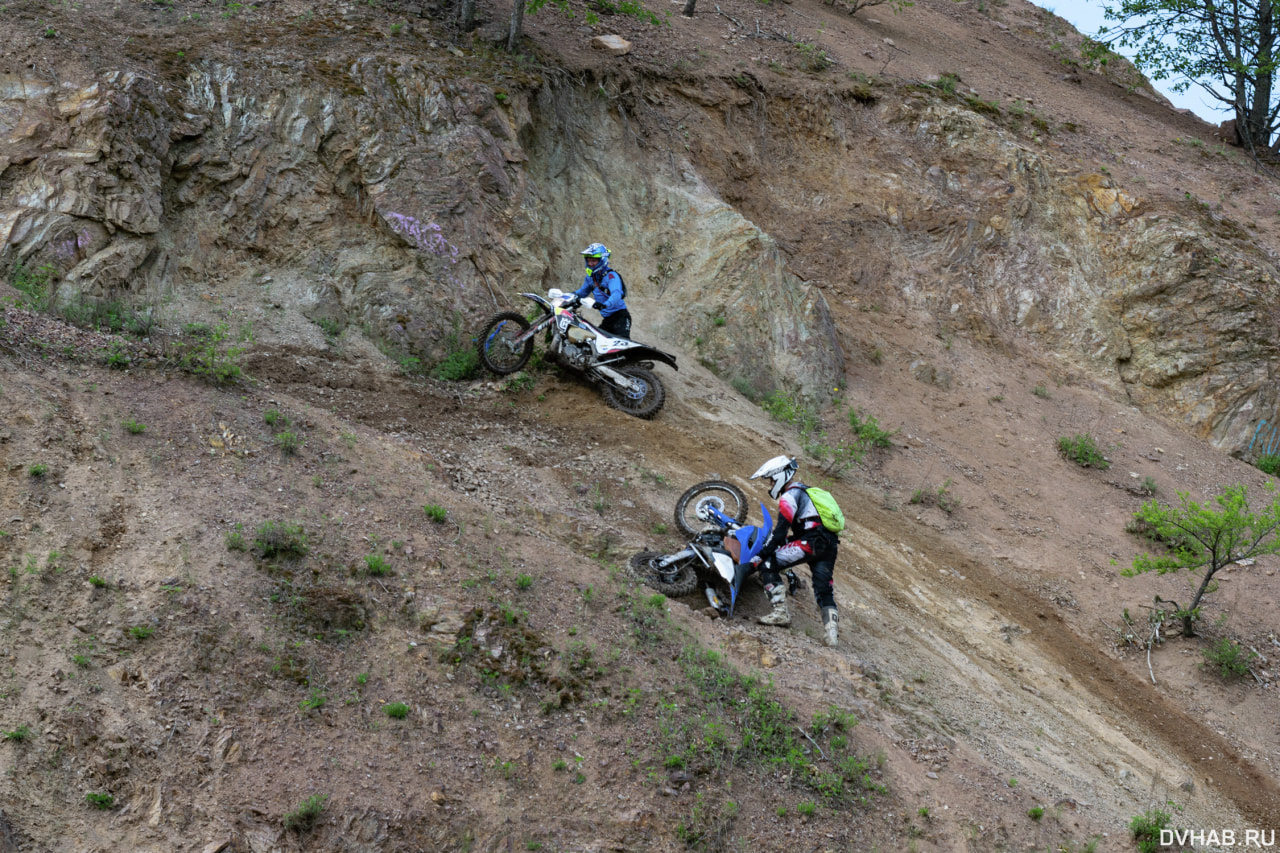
{"x":828,"y":509}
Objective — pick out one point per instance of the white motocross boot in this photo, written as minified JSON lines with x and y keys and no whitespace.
{"x":779,"y":615}
{"x":831,"y":625}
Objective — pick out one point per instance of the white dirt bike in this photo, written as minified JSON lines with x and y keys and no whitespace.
{"x":622,"y":367}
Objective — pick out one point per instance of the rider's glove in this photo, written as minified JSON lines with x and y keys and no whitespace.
{"x":590,"y":302}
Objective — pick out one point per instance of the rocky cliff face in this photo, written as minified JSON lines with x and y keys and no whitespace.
{"x":406,"y":195}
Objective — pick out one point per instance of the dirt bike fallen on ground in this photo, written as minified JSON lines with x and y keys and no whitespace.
{"x":622,"y":367}
{"x":712,"y":513}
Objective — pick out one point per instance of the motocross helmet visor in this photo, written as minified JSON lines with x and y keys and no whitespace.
{"x":780,"y":470}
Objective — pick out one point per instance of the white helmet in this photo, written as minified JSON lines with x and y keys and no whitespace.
{"x":780,"y":469}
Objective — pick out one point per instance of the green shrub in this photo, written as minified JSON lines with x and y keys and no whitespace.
{"x":377,"y":565}
{"x":18,"y":735}
{"x":288,"y":442}
{"x":141,"y":632}
{"x":97,"y":581}
{"x":274,"y":417}
{"x":35,"y":285}
{"x":396,"y":710}
{"x":1035,"y":812}
{"x":435,"y":513}
{"x":1041,"y":392}
{"x":134,"y":427}
{"x":1082,"y":450}
{"x":1229,"y":658}
{"x":1146,"y":829}
{"x":235,"y":539}
{"x":207,"y":354}
{"x":276,"y":538}
{"x":1269,"y":464}
{"x":868,"y":430}
{"x":38,"y":470}
{"x":100,"y":801}
{"x":458,"y":366}
{"x":306,"y":814}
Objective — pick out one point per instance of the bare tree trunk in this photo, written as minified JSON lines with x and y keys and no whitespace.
{"x":517,"y":25}
{"x":468,"y":15}
{"x":688,"y":8}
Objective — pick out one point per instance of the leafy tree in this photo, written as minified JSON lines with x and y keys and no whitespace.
{"x":1228,"y":49}
{"x":1209,"y":537}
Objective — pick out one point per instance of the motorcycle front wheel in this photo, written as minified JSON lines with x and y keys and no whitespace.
{"x":678,"y":579}
{"x":496,"y":344}
{"x":643,"y":401}
{"x":725,"y":497}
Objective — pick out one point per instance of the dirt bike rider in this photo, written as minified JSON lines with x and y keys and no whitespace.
{"x":607,"y":292}
{"x":809,"y":542}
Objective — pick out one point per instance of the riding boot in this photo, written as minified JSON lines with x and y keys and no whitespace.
{"x":831,"y":624}
{"x":779,"y":615}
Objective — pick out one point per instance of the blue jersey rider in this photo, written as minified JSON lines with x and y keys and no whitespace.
{"x":606,"y":292}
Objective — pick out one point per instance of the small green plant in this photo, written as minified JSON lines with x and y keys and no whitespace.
{"x":923,"y":811}
{"x":362,"y":679}
{"x":95,"y":580}
{"x":206,"y":354}
{"x":1013,"y":783}
{"x":81,"y":660}
{"x":100,"y":801}
{"x":559,"y":765}
{"x":274,"y":417}
{"x":524,"y":582}
{"x":807,"y":808}
{"x":1228,"y":658}
{"x":280,"y":539}
{"x":288,"y":442}
{"x":396,"y":710}
{"x":1146,"y":827}
{"x":304,"y":817}
{"x":141,"y":632}
{"x":947,"y":83}
{"x":38,"y":470}
{"x":1041,"y":392}
{"x":18,"y":735}
{"x":1083,"y":450}
{"x":1148,"y":486}
{"x":1035,"y":812}
{"x":435,"y":513}
{"x":134,"y":427}
{"x":1269,"y":464}
{"x":377,"y":565}
{"x":235,"y":539}
{"x":315,"y":700}
{"x":396,"y":28}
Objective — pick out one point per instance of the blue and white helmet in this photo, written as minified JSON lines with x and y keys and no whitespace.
{"x":781,"y":470}
{"x":596,"y":250}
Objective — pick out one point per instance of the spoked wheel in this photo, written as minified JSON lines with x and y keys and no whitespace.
{"x":497,"y":347}
{"x":694,"y":503}
{"x":644,"y":400}
{"x":678,"y":579}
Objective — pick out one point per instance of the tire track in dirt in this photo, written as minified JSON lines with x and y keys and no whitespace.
{"x":1255,"y":793}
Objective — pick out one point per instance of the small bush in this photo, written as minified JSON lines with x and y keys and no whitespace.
{"x":18,"y":735}
{"x":1146,"y":829}
{"x":100,"y":801}
{"x":377,"y":565}
{"x":1035,"y":812}
{"x":235,"y":539}
{"x":274,"y":417}
{"x":1229,"y":658}
{"x":38,"y":470}
{"x":280,"y":539}
{"x":1041,"y":392}
{"x":141,"y":632}
{"x":396,"y":710}
{"x":207,"y":355}
{"x":435,"y":513}
{"x":288,"y":442}
{"x":306,"y":814}
{"x":97,"y":581}
{"x":458,"y":366}
{"x":134,"y":427}
{"x":1269,"y":464}
{"x":524,"y":582}
{"x":1083,"y":450}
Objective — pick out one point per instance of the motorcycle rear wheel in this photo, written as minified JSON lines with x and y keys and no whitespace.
{"x":726,"y":497}
{"x":676,"y":580}
{"x":643,"y":403}
{"x":494,"y":344}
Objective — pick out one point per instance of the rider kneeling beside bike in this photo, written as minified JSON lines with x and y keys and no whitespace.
{"x":800,"y":537}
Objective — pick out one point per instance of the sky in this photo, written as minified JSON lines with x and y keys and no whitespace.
{"x":1086,"y":16}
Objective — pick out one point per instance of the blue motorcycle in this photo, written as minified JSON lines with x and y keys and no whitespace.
{"x":719,"y":554}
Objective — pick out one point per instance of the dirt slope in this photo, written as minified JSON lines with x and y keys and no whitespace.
{"x":979,"y":647}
